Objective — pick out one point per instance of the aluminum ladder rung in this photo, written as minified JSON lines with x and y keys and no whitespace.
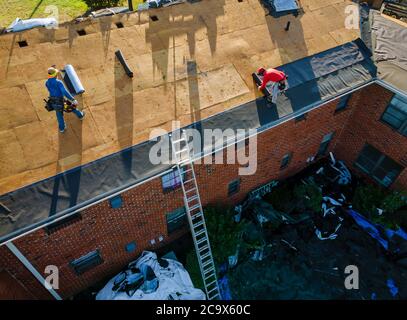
{"x":197,"y":215}
{"x":190,"y":199}
{"x":212,"y":269}
{"x":194,"y":207}
{"x":207,"y":263}
{"x":210,"y":276}
{"x":198,"y":224}
{"x":206,"y":255}
{"x":190,"y":190}
{"x":188,"y":181}
{"x":186,"y":171}
{"x":179,"y":140}
{"x":214,"y":296}
{"x":211,"y":283}
{"x":181,"y":151}
{"x":197,"y":234}
{"x":200,"y":241}
{"x":203,"y":248}
{"x":216,"y":288}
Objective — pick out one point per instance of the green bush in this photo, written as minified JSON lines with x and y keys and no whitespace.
{"x":367,"y":198}
{"x":224,"y":237}
{"x":393,"y":201}
{"x":224,"y":233}
{"x":310,"y":196}
{"x":281,"y":198}
{"x":193,"y":269}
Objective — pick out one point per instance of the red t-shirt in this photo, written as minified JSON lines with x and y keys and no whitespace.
{"x":272,"y":75}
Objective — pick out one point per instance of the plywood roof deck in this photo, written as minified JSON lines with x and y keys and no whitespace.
{"x":196,"y":60}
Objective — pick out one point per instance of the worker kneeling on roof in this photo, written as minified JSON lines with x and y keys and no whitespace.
{"x":278,"y":79}
{"x":57,"y":92}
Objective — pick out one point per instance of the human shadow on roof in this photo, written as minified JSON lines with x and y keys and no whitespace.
{"x":65,"y":188}
{"x":105,"y":24}
{"x":124,"y":105}
{"x":170,"y":24}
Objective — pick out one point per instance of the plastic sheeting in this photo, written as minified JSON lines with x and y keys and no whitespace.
{"x":168,"y":280}
{"x":389,"y":42}
{"x":20,"y":25}
{"x":373,"y":230}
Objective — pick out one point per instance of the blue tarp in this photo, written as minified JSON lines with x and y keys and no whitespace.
{"x":224,"y":288}
{"x":373,"y":229}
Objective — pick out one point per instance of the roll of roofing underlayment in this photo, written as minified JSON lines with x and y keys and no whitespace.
{"x":72,"y":80}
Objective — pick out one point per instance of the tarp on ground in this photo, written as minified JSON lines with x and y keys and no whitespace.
{"x":149,"y":278}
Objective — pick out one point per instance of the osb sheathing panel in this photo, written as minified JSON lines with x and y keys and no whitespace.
{"x":194,"y":62}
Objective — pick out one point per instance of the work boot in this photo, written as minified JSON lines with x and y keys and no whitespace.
{"x":83,"y":115}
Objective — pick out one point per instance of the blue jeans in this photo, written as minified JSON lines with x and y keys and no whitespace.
{"x":61,"y":121}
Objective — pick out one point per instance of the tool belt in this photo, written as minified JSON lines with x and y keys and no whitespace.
{"x":58,"y":104}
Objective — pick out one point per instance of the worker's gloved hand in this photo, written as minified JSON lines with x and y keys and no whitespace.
{"x":259,"y":88}
{"x":75,"y":102}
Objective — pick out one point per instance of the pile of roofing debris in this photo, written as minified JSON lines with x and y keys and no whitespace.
{"x":150,"y":278}
{"x":302,"y":236}
{"x":21,"y":25}
{"x":150,"y":4}
{"x":396,"y":9}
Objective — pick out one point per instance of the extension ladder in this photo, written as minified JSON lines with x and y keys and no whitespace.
{"x":182,"y":156}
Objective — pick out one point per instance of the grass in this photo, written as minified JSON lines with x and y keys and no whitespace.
{"x":67,"y":9}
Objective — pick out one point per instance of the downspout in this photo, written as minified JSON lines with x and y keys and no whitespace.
{"x":31,"y":268}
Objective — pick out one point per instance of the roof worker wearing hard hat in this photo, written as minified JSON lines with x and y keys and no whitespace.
{"x":278,"y":79}
{"x":57,"y":92}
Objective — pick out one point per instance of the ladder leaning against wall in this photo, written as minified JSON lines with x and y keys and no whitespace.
{"x":182,"y":156}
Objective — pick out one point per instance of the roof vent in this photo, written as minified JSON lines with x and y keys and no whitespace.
{"x":81,"y":32}
{"x":23,"y":44}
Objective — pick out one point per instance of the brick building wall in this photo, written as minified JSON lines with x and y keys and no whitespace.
{"x":365,"y":126}
{"x":142,"y":216}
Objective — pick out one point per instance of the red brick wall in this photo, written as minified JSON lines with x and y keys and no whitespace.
{"x":364,"y":126}
{"x":142,"y":216}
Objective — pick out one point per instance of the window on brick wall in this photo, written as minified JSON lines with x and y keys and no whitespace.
{"x":343,"y":103}
{"x":233,"y":187}
{"x":286,"y":160}
{"x":396,"y":114}
{"x":176,"y":219}
{"x":323,"y":147}
{"x":86,"y":262}
{"x":171,"y":181}
{"x":65,"y":222}
{"x":301,"y":117}
{"x":116,"y":202}
{"x":377,"y":165}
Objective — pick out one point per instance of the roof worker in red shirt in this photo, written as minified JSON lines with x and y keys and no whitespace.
{"x":278,"y":79}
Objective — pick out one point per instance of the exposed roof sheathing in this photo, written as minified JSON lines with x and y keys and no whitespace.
{"x":326,"y":75}
{"x":194,"y":62}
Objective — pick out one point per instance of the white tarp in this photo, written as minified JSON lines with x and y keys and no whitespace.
{"x":20,"y":25}
{"x":170,"y":281}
